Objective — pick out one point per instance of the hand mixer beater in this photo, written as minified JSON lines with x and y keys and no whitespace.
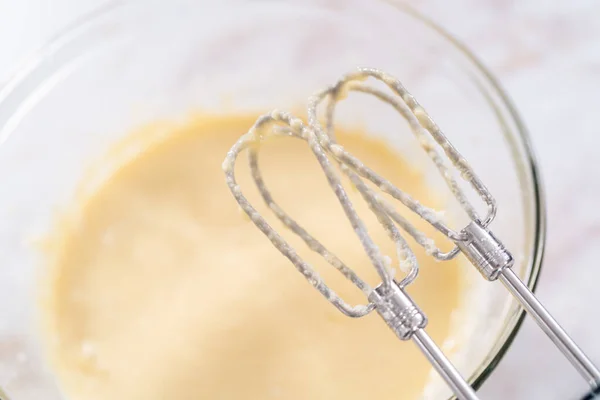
{"x":390,"y":298}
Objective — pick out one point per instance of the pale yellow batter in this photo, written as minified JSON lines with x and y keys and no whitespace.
{"x":164,"y":290}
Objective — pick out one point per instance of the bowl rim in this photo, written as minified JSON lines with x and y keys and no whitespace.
{"x":23,"y":72}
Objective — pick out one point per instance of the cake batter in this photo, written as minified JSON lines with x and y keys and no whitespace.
{"x":163,"y":290}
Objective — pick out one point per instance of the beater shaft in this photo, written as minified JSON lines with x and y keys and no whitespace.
{"x":551,"y":327}
{"x":494,"y":261}
{"x":407,"y":321}
{"x":443,"y":366}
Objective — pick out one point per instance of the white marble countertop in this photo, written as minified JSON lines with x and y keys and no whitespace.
{"x":547,"y":55}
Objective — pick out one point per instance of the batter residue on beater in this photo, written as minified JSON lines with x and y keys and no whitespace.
{"x":162,"y":290}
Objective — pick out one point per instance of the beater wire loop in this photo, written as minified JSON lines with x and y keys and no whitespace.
{"x":333,"y":158}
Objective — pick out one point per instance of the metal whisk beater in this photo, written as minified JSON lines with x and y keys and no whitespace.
{"x":390,"y":298}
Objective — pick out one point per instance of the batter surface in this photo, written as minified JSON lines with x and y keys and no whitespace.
{"x":162,"y":289}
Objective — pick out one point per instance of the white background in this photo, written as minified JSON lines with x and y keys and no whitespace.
{"x":547,"y":55}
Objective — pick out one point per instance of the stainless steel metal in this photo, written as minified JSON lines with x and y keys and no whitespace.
{"x":390,"y":299}
{"x":407,"y":321}
{"x":552,"y":328}
{"x":398,"y":310}
{"x":447,"y":371}
{"x":492,"y":259}
{"x":484,"y":251}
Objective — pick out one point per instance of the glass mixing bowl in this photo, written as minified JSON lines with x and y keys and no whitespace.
{"x":137,"y":62}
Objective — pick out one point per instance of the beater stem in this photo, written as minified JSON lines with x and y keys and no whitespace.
{"x":442,"y":365}
{"x":407,"y":321}
{"x":549,"y":325}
